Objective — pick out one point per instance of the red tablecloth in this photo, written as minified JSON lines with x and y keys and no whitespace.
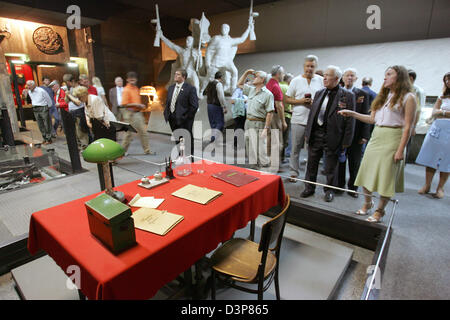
{"x":138,"y":273}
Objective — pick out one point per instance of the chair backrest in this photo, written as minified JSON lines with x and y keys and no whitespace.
{"x":273,"y":229}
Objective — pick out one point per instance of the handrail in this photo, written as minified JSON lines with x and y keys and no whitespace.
{"x":389,"y":227}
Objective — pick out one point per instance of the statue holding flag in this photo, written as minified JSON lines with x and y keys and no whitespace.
{"x":189,"y":58}
{"x":220,"y":54}
{"x":199,"y":29}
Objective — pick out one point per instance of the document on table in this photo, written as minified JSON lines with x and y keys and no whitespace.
{"x":155,"y":221}
{"x":145,"y":202}
{"x":197,"y":194}
{"x":235,"y":178}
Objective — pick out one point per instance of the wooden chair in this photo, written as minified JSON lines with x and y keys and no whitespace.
{"x":242,"y":260}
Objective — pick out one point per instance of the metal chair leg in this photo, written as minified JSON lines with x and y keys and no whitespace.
{"x":260,"y":288}
{"x":213,"y":284}
{"x":252,"y":230}
{"x":81,"y":295}
{"x":188,"y":283}
{"x":277,"y":284}
{"x":198,"y":272}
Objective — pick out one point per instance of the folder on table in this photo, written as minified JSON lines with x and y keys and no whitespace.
{"x":155,"y":221}
{"x":197,"y":194}
{"x":234,"y":177}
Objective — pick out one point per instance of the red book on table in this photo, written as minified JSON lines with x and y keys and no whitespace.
{"x":234,"y":177}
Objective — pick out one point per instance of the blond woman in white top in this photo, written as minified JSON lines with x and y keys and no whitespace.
{"x":100,"y":90}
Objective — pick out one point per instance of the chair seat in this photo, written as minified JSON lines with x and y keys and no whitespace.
{"x":240,"y":258}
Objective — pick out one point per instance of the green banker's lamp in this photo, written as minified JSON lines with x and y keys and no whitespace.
{"x":102,"y":151}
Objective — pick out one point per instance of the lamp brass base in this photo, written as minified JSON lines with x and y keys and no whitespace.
{"x":119,"y":196}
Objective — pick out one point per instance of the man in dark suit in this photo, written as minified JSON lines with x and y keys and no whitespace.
{"x":360,"y":136}
{"x":327,"y":132}
{"x":115,"y":97}
{"x":366,"y":84}
{"x":181,"y":106}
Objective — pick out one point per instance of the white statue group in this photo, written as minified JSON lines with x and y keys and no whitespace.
{"x":220,"y":52}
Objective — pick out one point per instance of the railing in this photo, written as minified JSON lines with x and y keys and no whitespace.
{"x":374,"y":280}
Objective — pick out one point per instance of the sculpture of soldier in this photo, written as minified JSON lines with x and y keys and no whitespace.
{"x":220,"y":54}
{"x":188,"y":57}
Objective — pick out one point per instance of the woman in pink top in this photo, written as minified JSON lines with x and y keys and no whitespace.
{"x":393,"y":113}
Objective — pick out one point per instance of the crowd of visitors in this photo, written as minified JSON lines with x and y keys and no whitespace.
{"x":324,"y":112}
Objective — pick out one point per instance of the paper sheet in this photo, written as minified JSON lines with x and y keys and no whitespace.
{"x":145,"y":202}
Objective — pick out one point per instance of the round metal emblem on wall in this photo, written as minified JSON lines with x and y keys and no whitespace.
{"x":47,"y":40}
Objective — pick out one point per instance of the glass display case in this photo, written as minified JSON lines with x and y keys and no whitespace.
{"x":25,"y":164}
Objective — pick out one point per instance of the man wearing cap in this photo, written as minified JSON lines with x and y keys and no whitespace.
{"x":260,"y":108}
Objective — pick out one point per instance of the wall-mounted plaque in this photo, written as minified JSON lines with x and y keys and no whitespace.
{"x":47,"y":40}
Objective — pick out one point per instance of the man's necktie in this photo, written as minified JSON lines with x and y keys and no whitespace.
{"x":323,"y":108}
{"x":174,"y":99}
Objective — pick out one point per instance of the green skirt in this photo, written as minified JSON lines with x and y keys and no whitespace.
{"x":378,"y":171}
